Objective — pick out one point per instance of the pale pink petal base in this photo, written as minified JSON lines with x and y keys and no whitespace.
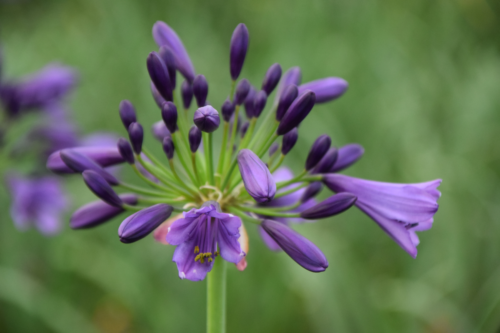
{"x":243,"y":240}
{"x":160,"y":233}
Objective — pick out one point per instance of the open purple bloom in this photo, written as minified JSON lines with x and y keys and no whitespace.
{"x":256,"y":176}
{"x":326,"y":89}
{"x":201,"y":235}
{"x":397,"y":208}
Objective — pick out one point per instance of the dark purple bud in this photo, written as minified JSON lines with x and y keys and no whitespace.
{"x":136,"y":135}
{"x":227,"y":110}
{"x":259,"y":103}
{"x":286,"y":99}
{"x":127,"y":113}
{"x":348,"y":155}
{"x":142,"y":223}
{"x":200,"y":90}
{"x":272,"y":78}
{"x":291,"y":76}
{"x":273,"y":149}
{"x":156,"y":95}
{"x":326,"y":89}
{"x":194,"y":138}
{"x":299,"y":248}
{"x":244,"y":128}
{"x":158,"y":73}
{"x":168,"y":147}
{"x":169,"y":115}
{"x":187,"y":94}
{"x":311,"y":191}
{"x":242,"y":90}
{"x":168,"y":58}
{"x":79,"y":163}
{"x":334,"y":205}
{"x":249,"y":101}
{"x":126,"y":150}
{"x":289,"y":140}
{"x":97,"y":184}
{"x":318,"y":150}
{"x":160,"y":130}
{"x":98,"y":212}
{"x":103,"y":156}
{"x":256,"y":176}
{"x":238,"y":50}
{"x":297,"y":112}
{"x":206,"y":119}
{"x":326,"y":162}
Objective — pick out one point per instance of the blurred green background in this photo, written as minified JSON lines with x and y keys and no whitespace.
{"x":423,"y":100}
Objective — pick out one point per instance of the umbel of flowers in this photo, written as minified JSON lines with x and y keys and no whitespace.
{"x":202,"y":203}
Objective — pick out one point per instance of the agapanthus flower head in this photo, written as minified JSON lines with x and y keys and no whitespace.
{"x":207,"y":119}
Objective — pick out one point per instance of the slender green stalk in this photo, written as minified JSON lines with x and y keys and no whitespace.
{"x":248,"y":135}
{"x":282,"y":194}
{"x":243,"y":215}
{"x":263,"y":128}
{"x":141,"y":190}
{"x":231,"y":140}
{"x":268,"y":144}
{"x":216,"y":297}
{"x":149,"y":181}
{"x":231,"y":92}
{"x":299,"y":179}
{"x":222,"y":155}
{"x":207,"y":145}
{"x":157,"y":163}
{"x":181,"y":154}
{"x":195,"y":169}
{"x":280,"y":161}
{"x":267,"y":212}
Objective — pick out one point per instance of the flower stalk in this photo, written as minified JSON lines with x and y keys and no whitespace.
{"x":216,"y":298}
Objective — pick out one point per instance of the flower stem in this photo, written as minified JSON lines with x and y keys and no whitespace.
{"x":216,"y":297}
{"x":222,"y":155}
{"x":267,"y":212}
{"x":207,"y":143}
{"x":232,"y":138}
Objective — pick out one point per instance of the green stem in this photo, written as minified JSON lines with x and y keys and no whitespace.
{"x":262,"y":129}
{"x":282,"y":157}
{"x":216,"y":297}
{"x":291,"y":181}
{"x":195,"y":169}
{"x":243,"y":215}
{"x":231,"y":140}
{"x":248,"y":134}
{"x":181,"y":154}
{"x":222,"y":155}
{"x":267,"y":212}
{"x":141,"y":190}
{"x":282,"y":194}
{"x":207,"y":144}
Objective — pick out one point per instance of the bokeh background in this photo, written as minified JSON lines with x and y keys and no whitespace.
{"x":423,"y":100}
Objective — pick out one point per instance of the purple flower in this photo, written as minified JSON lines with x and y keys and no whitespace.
{"x":200,"y":90}
{"x":238,"y":50}
{"x":242,"y":90}
{"x":249,"y":102}
{"x":194,"y":138}
{"x":334,"y":205}
{"x":158,"y":73}
{"x":347,"y":156}
{"x":399,"y":209}
{"x":256,"y":176}
{"x":101,"y":188}
{"x":160,"y":130}
{"x":286,"y":99}
{"x":168,"y":147}
{"x":201,"y":235}
{"x":326,"y":89}
{"x":318,"y":150}
{"x":206,"y":119}
{"x":136,"y":136}
{"x":125,"y":150}
{"x":227,"y":110}
{"x":297,"y":112}
{"x":259,"y":103}
{"x":168,"y":58}
{"x":289,"y":140}
{"x":272,"y":78}
{"x":104,"y":156}
{"x":127,"y":113}
{"x":79,"y":163}
{"x":187,"y":94}
{"x":293,"y":76}
{"x":169,"y":115}
{"x":142,"y":223}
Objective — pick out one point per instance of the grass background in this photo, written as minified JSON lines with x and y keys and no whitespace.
{"x":423,"y":101}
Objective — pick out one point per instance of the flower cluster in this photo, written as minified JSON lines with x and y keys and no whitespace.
{"x":216,"y":201}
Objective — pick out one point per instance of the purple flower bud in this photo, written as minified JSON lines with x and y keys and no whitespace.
{"x":334,"y":205}
{"x":103,"y":156}
{"x":206,"y":119}
{"x":326,"y":89}
{"x":187,"y":94}
{"x":127,"y":113}
{"x":272,"y":78}
{"x":299,"y":248}
{"x":126,"y":150}
{"x":140,"y":224}
{"x":311,"y":191}
{"x":156,"y":95}
{"x":244,"y":128}
{"x":158,"y":73}
{"x":98,"y":212}
{"x":273,"y":149}
{"x":291,"y":77}
{"x":238,"y":50}
{"x":200,"y":90}
{"x":259,"y":103}
{"x":318,"y":150}
{"x":168,"y":58}
{"x":227,"y":110}
{"x":136,"y":135}
{"x":160,"y":130}
{"x":289,"y":94}
{"x":326,"y":162}
{"x":164,"y":35}
{"x":289,"y":140}
{"x":256,"y":176}
{"x":194,"y":138}
{"x":297,"y":112}
{"x":97,"y":184}
{"x":168,"y":147}
{"x":249,"y":102}
{"x":242,"y":90}
{"x":169,"y":115}
{"x":79,"y":163}
{"x":348,"y":155}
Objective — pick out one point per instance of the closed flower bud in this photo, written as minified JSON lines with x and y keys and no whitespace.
{"x":142,"y":223}
{"x":289,"y":94}
{"x":272,"y":78}
{"x":289,"y":140}
{"x":348,"y":155}
{"x":103,"y":156}
{"x":194,"y":138}
{"x":160,"y":130}
{"x":168,"y":147}
{"x":136,"y":135}
{"x":318,"y":150}
{"x":299,"y":248}
{"x":206,"y":119}
{"x":200,"y":90}
{"x":242,"y":90}
{"x":168,"y":58}
{"x":334,"y":205}
{"x":297,"y":112}
{"x":127,"y":113}
{"x":187,"y":94}
{"x":273,"y":149}
{"x":244,"y":128}
{"x":259,"y":103}
{"x":326,"y":162}
{"x":169,"y":115}
{"x":256,"y":176}
{"x":98,"y":212}
{"x":79,"y":163}
{"x":293,"y":76}
{"x":158,"y":73}
{"x":311,"y":191}
{"x":326,"y":89}
{"x":156,"y":95}
{"x":227,"y":110}
{"x":238,"y":50}
{"x":249,"y":102}
{"x":97,"y":184}
{"x":126,"y":150}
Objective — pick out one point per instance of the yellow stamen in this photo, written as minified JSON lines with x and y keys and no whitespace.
{"x":196,"y":249}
